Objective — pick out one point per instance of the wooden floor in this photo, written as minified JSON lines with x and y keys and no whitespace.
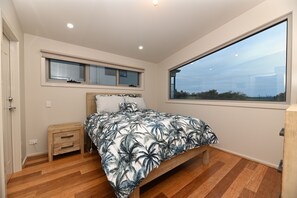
{"x":226,"y":175}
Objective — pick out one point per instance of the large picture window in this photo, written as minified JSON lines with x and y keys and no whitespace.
{"x":251,"y":69}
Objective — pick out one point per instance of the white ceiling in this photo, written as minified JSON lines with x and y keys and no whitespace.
{"x":120,"y":26}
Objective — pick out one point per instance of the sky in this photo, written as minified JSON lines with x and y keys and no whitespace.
{"x":255,"y":66}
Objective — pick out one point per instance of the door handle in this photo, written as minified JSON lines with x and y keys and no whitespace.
{"x":10,"y":99}
{"x":11,"y":108}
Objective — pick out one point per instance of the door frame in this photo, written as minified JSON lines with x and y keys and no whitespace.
{"x":15,"y":91}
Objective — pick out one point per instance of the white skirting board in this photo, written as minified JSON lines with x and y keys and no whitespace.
{"x":32,"y":155}
{"x":248,"y":157}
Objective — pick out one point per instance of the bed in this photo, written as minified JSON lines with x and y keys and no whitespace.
{"x":130,"y":156}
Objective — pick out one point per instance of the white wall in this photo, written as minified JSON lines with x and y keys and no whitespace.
{"x":248,"y":131}
{"x":68,"y":104}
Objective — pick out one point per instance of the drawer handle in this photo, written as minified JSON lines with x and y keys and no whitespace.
{"x":67,"y":136}
{"x":65,"y":147}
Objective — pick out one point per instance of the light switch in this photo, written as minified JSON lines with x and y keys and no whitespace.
{"x":48,"y":104}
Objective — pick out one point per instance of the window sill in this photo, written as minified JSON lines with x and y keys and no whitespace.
{"x":257,"y":105}
{"x":77,"y":85}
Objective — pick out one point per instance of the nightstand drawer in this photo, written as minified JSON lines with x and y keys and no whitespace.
{"x":69,"y":136}
{"x":66,"y":147}
{"x":65,"y":138}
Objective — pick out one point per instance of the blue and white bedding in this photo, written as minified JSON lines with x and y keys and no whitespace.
{"x":133,"y":142}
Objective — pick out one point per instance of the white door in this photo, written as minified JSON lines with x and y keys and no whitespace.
{"x":7,"y":108}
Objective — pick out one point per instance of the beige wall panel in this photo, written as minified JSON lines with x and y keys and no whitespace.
{"x":289,"y":179}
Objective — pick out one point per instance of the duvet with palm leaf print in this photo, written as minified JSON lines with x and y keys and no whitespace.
{"x":132,"y":144}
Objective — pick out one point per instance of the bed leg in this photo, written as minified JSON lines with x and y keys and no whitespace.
{"x":135,"y":193}
{"x":90,"y":145}
{"x":205,"y":156}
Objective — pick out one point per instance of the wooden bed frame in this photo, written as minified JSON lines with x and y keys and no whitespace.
{"x":165,"y":166}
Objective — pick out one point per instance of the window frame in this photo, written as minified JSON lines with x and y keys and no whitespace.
{"x":47,"y":65}
{"x":46,"y":81}
{"x":242,"y":103}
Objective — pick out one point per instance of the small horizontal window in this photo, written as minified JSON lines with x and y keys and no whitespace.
{"x":65,"y":70}
{"x":102,"y":76}
{"x":88,"y":72}
{"x":129,"y":78}
{"x":251,"y":69}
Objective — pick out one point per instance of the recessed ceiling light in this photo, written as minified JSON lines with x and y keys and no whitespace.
{"x":140,"y":47}
{"x":70,"y":25}
{"x":155,"y":2}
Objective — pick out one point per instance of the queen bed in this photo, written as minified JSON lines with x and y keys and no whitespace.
{"x":137,"y":144}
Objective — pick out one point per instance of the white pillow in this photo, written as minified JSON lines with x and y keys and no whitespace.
{"x":108,"y":103}
{"x":138,"y":100}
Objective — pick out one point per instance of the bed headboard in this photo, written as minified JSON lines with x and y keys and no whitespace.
{"x":91,"y":100}
{"x":91,"y":103}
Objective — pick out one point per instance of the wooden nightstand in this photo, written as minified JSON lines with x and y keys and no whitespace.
{"x":64,"y":138}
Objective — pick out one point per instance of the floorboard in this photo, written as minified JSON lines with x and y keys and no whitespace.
{"x":74,"y":176}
